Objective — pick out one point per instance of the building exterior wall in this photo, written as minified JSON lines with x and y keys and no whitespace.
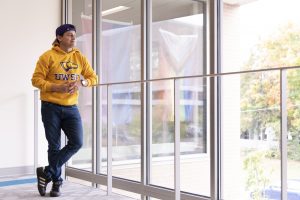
{"x":231,"y":103}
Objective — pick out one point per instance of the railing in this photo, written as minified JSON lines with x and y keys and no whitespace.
{"x":164,"y":193}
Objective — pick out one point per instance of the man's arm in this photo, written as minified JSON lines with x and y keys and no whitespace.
{"x":39,"y":79}
{"x":39,"y":76}
{"x":88,"y":73}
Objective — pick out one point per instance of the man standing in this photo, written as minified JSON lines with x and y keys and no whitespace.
{"x":58,"y":76}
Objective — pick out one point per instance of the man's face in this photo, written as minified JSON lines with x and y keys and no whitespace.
{"x":68,"y":39}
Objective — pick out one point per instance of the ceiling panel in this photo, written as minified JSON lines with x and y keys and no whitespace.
{"x":162,"y":9}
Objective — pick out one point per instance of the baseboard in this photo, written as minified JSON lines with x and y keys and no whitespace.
{"x":17,"y":182}
{"x":17,"y":171}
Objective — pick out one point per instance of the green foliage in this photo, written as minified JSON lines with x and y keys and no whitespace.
{"x":293,"y":150}
{"x":260,"y":92}
{"x":257,"y":177}
{"x":273,"y":153}
{"x":279,"y":50}
{"x":260,"y":102}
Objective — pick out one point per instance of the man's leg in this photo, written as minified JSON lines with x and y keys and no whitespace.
{"x":72,"y":127}
{"x":51,"y":120}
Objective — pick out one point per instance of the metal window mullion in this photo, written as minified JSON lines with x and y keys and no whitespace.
{"x":66,"y":17}
{"x":143,"y":96}
{"x":67,"y":14}
{"x":218,"y":132}
{"x":148,"y":75}
{"x":177,"y":138}
{"x":64,"y":11}
{"x":149,"y":132}
{"x":94,"y":93}
{"x":283,"y":149}
{"x":213,"y":63}
{"x":98,"y":104}
{"x":109,"y":140}
{"x":99,"y":89}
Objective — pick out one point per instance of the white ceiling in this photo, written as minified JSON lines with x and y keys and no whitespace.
{"x":161,"y":9}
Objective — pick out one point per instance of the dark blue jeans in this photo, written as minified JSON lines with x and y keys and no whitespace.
{"x":56,"y":118}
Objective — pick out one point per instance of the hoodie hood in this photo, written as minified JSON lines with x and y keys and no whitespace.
{"x":56,"y":47}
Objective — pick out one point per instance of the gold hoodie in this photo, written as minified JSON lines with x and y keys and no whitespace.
{"x":57,"y":66}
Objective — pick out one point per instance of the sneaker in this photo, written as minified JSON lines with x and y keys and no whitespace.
{"x":43,"y":180}
{"x":55,"y":191}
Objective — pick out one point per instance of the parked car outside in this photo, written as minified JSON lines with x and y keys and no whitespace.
{"x":273,"y":192}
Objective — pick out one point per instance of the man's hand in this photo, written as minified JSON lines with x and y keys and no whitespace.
{"x":62,"y":88}
{"x":70,"y":87}
{"x":74,"y":86}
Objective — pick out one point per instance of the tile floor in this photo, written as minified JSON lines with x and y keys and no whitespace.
{"x":70,"y":191}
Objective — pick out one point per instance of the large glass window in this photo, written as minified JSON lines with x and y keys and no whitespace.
{"x":162,"y":162}
{"x":255,"y":36}
{"x":126,"y":131}
{"x":178,"y":31}
{"x":293,"y":146}
{"x":260,"y":34}
{"x":178,"y":49}
{"x":194,"y":137}
{"x":121,"y":41}
{"x":80,"y":16}
{"x":251,"y":134}
{"x":121,"y":62}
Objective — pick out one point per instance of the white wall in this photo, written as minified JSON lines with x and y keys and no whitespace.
{"x":27,"y":30}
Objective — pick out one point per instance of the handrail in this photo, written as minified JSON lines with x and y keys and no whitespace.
{"x":197,"y":76}
{"x":283,"y":86}
{"x":200,"y":76}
